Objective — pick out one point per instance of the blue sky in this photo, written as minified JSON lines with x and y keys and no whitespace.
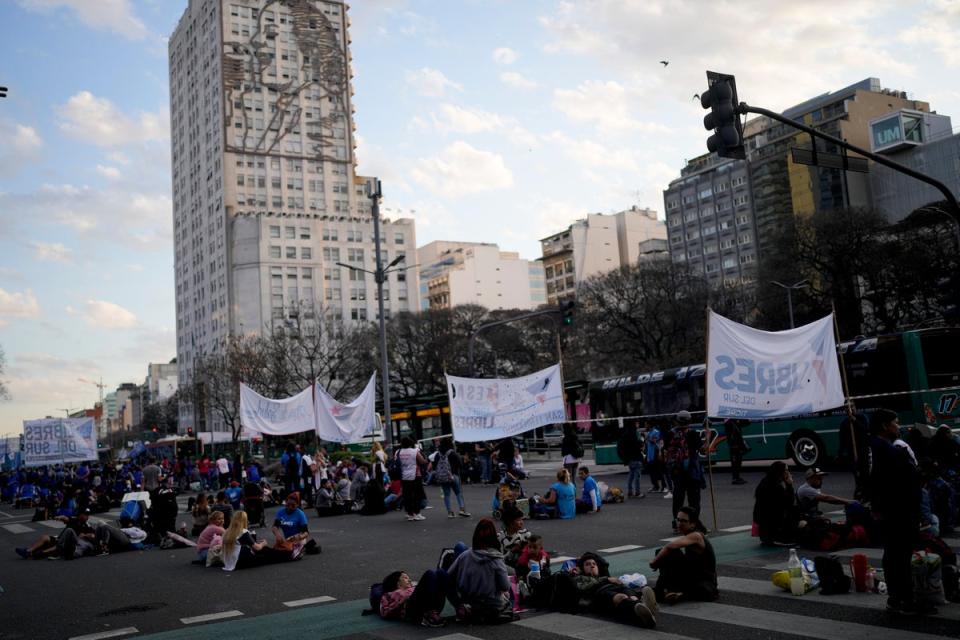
{"x":490,"y":120}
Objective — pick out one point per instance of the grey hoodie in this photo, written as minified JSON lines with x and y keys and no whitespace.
{"x":481,"y":577}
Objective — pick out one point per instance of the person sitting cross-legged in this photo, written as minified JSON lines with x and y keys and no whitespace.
{"x":688,"y":565}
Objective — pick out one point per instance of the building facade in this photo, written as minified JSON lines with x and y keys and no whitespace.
{"x":596,"y":244}
{"x":265,"y":196}
{"x":723,"y":215}
{"x":453,"y":273}
{"x":160,"y":383}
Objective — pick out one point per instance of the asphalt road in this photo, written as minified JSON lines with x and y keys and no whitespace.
{"x":154,"y":591}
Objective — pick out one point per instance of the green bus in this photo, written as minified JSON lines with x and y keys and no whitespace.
{"x":915,"y":373}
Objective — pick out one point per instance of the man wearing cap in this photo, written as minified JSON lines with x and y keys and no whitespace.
{"x":74,"y":541}
{"x":683,"y":464}
{"x":810,"y":494}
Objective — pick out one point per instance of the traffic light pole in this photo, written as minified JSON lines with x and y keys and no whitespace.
{"x":773,"y":115}
{"x":523,"y":316}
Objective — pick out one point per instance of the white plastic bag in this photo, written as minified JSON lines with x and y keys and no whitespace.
{"x":634,"y":580}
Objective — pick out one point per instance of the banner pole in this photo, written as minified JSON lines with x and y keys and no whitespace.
{"x":706,"y":426}
{"x":846,"y":388}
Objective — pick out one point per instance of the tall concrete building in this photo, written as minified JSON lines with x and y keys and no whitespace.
{"x":160,"y":383}
{"x":265,"y":196}
{"x":593,"y":245}
{"x":453,"y":273}
{"x":723,"y":215}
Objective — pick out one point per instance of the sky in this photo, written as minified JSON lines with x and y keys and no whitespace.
{"x":487,"y":120}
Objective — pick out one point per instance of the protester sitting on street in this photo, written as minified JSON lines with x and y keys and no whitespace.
{"x":774,"y":510}
{"x":480,"y":588}
{"x":326,"y":500}
{"x":111,"y":539}
{"x":76,"y":540}
{"x":607,"y":596}
{"x":810,"y":495}
{"x":687,"y":565}
{"x":533,"y":551}
{"x":562,"y":496}
{"x":423,"y":603}
{"x":290,"y":525}
{"x":591,"y":500}
{"x":358,"y":485}
{"x":513,"y":537}
{"x":201,"y":515}
{"x":205,"y":539}
{"x":394,"y":498}
{"x":241,"y":550}
{"x":223,"y":507}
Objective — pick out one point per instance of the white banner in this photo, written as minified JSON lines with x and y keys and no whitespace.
{"x":58,"y":440}
{"x":493,"y":408}
{"x":9,"y":453}
{"x":763,"y":374}
{"x":275,"y":417}
{"x":348,"y":423}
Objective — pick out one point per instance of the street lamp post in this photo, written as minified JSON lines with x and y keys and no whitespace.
{"x":790,"y":288}
{"x":380,"y":276}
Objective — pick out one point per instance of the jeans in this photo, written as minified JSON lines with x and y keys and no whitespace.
{"x":454,"y":487}
{"x":685,"y":486}
{"x":390,"y":501}
{"x":572,"y":468}
{"x":112,"y":537}
{"x":484,"y":467}
{"x":633,"y":478}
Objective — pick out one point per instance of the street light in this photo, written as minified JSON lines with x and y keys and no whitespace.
{"x":379,"y":276}
{"x":803,"y":284}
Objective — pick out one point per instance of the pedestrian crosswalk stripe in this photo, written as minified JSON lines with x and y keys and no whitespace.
{"x":626,"y":547}
{"x":17,"y":528}
{"x":590,"y":628}
{"x":306,"y":601}
{"x":456,"y":636}
{"x":53,"y":524}
{"x":852,"y":599}
{"x":212,"y":616}
{"x":743,"y":527}
{"x":113,"y":633}
{"x":788,"y":623}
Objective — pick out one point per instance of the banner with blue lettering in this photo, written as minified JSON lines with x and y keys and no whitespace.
{"x":58,"y":440}
{"x":765,"y":374}
{"x":262,"y":415}
{"x":493,"y":408}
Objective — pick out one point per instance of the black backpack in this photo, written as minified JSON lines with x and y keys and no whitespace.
{"x":376,"y":594}
{"x":446,"y":559}
{"x":832,"y":578}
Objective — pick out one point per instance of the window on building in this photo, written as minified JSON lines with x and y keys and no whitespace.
{"x":290,"y":233}
{"x":274,"y":231}
{"x":398,"y":238}
{"x":274,"y":252}
{"x":306,"y":253}
{"x":291,"y":253}
{"x":304,"y":233}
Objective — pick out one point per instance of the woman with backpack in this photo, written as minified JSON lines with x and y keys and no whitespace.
{"x":446,"y":470}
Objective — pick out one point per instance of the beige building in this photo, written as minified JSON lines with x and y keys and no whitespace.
{"x":266,"y":200}
{"x":453,"y":273}
{"x":596,"y":244}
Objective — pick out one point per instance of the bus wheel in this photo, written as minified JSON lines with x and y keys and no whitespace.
{"x":806,"y":449}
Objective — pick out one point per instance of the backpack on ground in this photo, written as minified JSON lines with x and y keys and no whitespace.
{"x":832,"y":578}
{"x":447,"y":556}
{"x":927,"y":574}
{"x":376,"y":594}
{"x":443,"y":472}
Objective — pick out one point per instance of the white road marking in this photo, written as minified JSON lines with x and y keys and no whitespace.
{"x":306,"y":601}
{"x":212,"y":616}
{"x":53,"y":524}
{"x":561,"y":559}
{"x":626,"y":547}
{"x":17,"y":528}
{"x":590,"y":628}
{"x":670,"y":539}
{"x":743,"y":527}
{"x":107,"y":634}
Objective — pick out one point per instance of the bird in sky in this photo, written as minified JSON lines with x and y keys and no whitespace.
{"x":696,"y":96}
{"x":664,"y":62}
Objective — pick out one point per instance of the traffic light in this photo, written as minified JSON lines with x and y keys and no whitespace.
{"x":189,"y":432}
{"x":724,"y":116}
{"x":566,"y":312}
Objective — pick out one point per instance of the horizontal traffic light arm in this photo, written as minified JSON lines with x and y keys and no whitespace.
{"x":555,"y":312}
{"x":896,"y":166}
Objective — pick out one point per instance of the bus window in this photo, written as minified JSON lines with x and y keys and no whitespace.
{"x":882,"y":370}
{"x":940,"y":360}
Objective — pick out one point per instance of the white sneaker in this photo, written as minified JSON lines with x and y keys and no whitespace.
{"x":668,"y":495}
{"x":411,"y":518}
{"x":419,"y":516}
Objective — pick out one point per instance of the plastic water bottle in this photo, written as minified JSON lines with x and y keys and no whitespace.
{"x":796,"y":574}
{"x":534,"y":570}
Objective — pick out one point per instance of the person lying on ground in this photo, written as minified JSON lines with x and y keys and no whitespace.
{"x":608,"y":597}
{"x":76,"y":540}
{"x":423,"y":603}
{"x":687,"y":565}
{"x":126,"y":537}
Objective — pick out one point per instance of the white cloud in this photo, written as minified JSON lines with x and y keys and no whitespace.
{"x":603,"y":104}
{"x":21,"y":145}
{"x":454,"y":119}
{"x":938,"y":27}
{"x":517,"y":80}
{"x":589,"y":153}
{"x":101,"y":314}
{"x":461,"y":170}
{"x":97,"y":121}
{"x":52,"y":252}
{"x":431,"y":82}
{"x":14,"y":304}
{"x":504,"y":55}
{"x":111,"y":173}
{"x":111,"y":15}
